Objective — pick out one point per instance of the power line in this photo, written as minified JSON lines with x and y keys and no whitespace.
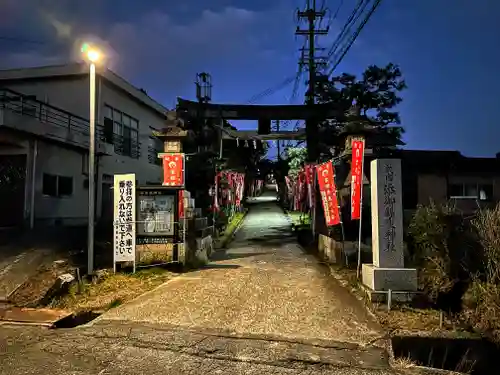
{"x":354,"y":16}
{"x":338,"y":10}
{"x":354,"y":37}
{"x":271,"y":90}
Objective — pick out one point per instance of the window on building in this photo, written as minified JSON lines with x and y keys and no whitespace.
{"x":122,"y":130}
{"x":482,"y":192}
{"x":57,"y":186}
{"x":154,"y":147}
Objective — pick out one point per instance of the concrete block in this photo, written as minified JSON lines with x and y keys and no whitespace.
{"x":383,"y":279}
{"x":60,"y":287}
{"x":329,"y":249}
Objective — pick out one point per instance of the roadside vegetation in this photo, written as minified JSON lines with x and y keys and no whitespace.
{"x":299,"y":218}
{"x":458,"y":259}
{"x":458,"y":262}
{"x":109,"y":289}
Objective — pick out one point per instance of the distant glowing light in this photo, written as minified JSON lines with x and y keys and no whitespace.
{"x":91,"y":54}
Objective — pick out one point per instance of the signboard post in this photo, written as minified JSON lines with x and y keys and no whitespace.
{"x":124,"y":220}
{"x":158,"y":220}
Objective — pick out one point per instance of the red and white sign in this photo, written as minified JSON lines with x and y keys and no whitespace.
{"x":173,"y":170}
{"x":309,"y":173}
{"x":358,"y":152}
{"x":326,"y":182}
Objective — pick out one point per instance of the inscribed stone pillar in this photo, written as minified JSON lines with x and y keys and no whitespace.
{"x":387,"y":213}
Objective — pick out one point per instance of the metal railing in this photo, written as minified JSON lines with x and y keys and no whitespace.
{"x":153,"y":156}
{"x":26,"y":105}
{"x":125,"y":146}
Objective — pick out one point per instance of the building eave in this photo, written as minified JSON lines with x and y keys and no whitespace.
{"x":78,"y":69}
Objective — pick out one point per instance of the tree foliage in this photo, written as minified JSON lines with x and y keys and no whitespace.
{"x":376,"y":94}
{"x":296,"y":157}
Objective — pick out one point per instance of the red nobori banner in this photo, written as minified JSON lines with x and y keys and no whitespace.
{"x":309,"y":172}
{"x":326,"y":182}
{"x":358,"y":151}
{"x":173,"y":170}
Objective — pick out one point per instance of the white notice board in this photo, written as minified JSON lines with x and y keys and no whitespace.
{"x":124,"y":218}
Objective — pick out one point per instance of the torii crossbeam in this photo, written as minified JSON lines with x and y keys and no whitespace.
{"x":256,"y":112}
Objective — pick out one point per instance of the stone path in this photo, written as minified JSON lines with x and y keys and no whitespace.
{"x":263,"y":284}
{"x":260,"y":307}
{"x":130,"y":349}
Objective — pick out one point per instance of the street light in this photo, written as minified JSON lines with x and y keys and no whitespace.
{"x":92,"y":55}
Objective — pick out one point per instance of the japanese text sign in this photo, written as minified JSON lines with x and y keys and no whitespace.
{"x":124,"y":218}
{"x":358,"y":151}
{"x":326,"y":182}
{"x":173,"y":170}
{"x":389,"y":196}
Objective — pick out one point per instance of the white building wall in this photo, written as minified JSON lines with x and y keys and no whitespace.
{"x":56,"y":160}
{"x":71,"y":94}
{"x":148,"y":118}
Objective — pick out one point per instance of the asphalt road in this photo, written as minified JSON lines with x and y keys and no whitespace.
{"x":261,"y":307}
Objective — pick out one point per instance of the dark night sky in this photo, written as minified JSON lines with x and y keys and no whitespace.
{"x":447,"y":50}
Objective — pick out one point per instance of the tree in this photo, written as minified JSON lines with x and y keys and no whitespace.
{"x":375,"y":94}
{"x":296,"y":157}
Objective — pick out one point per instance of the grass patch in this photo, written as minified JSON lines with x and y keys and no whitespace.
{"x":231,"y":227}
{"x":110,"y":290}
{"x":299,"y":218}
{"x":402,"y":318}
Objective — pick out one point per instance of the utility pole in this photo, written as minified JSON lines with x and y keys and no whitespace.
{"x":278,"y":141}
{"x":311,"y":14}
{"x":204,"y":95}
{"x":312,"y":61}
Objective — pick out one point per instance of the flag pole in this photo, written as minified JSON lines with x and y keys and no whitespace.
{"x":358,"y":270}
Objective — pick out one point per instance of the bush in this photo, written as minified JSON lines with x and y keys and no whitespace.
{"x":487,"y":224}
{"x":429,"y":251}
{"x":442,"y":246}
{"x":482,"y":308}
{"x":482,"y":299}
{"x":450,"y":250}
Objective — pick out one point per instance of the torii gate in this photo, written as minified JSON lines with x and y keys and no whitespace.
{"x":257,"y":112}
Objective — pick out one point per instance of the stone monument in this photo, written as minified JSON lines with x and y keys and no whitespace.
{"x":387,"y":271}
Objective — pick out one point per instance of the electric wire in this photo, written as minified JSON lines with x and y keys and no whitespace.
{"x":354,"y":16}
{"x":346,"y":48}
